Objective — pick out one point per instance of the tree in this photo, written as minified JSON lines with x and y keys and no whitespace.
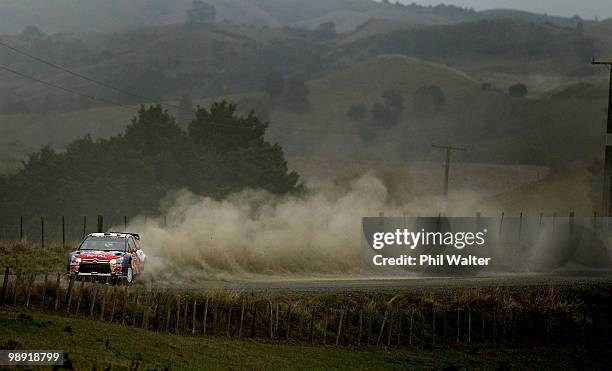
{"x":390,"y":112}
{"x":238,"y":142}
{"x":326,"y":31}
{"x":201,"y":12}
{"x":185,"y":111}
{"x":296,"y":95}
{"x":357,"y":112}
{"x":273,"y":84}
{"x":518,"y":91}
{"x":129,"y":174}
{"x":431,"y":98}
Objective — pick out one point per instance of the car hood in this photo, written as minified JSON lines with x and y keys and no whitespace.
{"x":99,"y":255}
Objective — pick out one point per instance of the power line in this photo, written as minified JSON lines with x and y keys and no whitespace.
{"x":87,"y":78}
{"x":135,"y":95}
{"x":29,"y":77}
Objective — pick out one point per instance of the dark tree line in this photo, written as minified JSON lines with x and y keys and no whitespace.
{"x":219,"y":153}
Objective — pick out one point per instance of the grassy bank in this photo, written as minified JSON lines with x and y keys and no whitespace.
{"x":31,"y":257}
{"x":90,"y":343}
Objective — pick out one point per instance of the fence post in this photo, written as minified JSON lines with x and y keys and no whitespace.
{"x":361,"y":324}
{"x":57,"y":291}
{"x":103,"y":300}
{"x":254,"y":320}
{"x":16,"y":288}
{"x":112,"y":316}
{"x":339,"y":327}
{"x":229,"y":321}
{"x":125,"y":223}
{"x":193,"y":316}
{"x":241,"y":319}
{"x":84,"y":225}
{"x":69,"y":294}
{"x":44,"y":292}
{"x":93,"y":299}
{"x":313,"y":315}
{"x":123,"y":309}
{"x":168,"y":308}
{"x":100,"y":227}
{"x":178,"y":314}
{"x":270,"y":319}
{"x":29,"y":292}
{"x":42,"y":231}
{"x":63,"y":232}
{"x":80,"y":298}
{"x":21,"y":229}
{"x":288,"y":321}
{"x":205,"y":317}
{"x":4,"y":285}
{"x":469,"y":325}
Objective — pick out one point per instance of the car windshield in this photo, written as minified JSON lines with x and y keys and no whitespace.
{"x":103,"y":244}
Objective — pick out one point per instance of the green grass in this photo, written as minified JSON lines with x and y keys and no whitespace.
{"x":90,"y":343}
{"x":32,"y":258}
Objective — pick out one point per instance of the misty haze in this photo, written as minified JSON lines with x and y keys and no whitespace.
{"x":219,"y":156}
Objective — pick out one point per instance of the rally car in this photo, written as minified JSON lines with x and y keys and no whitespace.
{"x":117,"y":256}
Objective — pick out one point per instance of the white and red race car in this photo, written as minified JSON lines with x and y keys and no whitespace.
{"x":110,"y":255}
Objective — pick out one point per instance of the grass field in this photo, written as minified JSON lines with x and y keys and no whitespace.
{"x":90,"y":344}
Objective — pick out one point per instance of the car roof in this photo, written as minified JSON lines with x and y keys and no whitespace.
{"x":114,"y":235}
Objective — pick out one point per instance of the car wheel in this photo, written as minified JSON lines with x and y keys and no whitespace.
{"x":129,"y":277}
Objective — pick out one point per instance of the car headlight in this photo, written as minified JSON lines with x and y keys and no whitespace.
{"x":75,"y":259}
{"x":116,"y":261}
{"x":78,"y":260}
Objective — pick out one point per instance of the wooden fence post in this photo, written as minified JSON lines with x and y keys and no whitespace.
{"x":69,"y":294}
{"x":339,"y":327}
{"x":411,"y":327}
{"x":114,"y":300}
{"x":313,"y":315}
{"x":193,"y":322}
{"x":125,"y":223}
{"x":81,"y":288}
{"x":4,"y":285}
{"x":469,"y":325}
{"x":178,"y":314}
{"x":254,"y":320}
{"x":168,"y":309}
{"x":16,"y":288}
{"x":229,"y":321}
{"x":84,"y":225}
{"x":21,"y":229}
{"x":382,"y":326}
{"x":288,"y":321}
{"x":29,"y":292}
{"x":57,"y":291}
{"x":44,"y":292}
{"x":93,"y":300}
{"x":270,"y":320}
{"x":104,"y":292}
{"x":360,"y":327}
{"x":205,"y":317}
{"x":325,"y":327}
{"x":100,"y":227}
{"x":241,"y":319}
{"x":125,"y":299}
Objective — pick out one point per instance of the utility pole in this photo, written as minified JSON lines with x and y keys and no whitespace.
{"x":607,"y":183}
{"x":449,"y":150}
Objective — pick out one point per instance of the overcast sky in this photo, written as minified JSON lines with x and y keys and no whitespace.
{"x":584,"y":8}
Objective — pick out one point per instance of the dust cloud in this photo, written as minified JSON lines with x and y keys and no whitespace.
{"x":255,"y":233}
